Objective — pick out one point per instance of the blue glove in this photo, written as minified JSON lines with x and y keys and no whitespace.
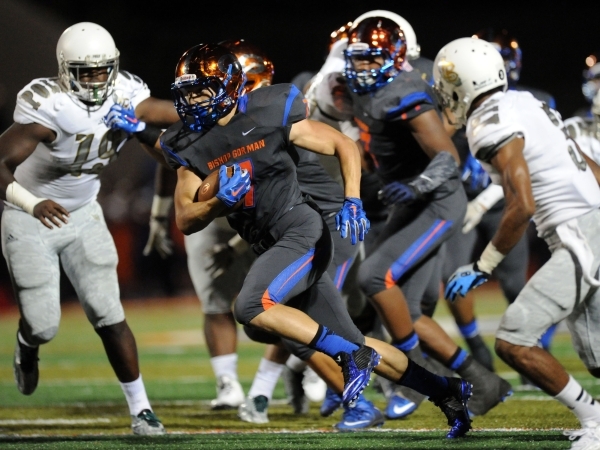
{"x":396,"y":192}
{"x":474,"y":172}
{"x":232,"y":189}
{"x":352,"y":219}
{"x":463,"y":280}
{"x":121,"y":118}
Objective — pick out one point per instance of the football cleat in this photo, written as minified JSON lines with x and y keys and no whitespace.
{"x":147,"y":424}
{"x":331,"y":403}
{"x":314,"y":386}
{"x":588,"y":438}
{"x":488,"y":388}
{"x":230,"y":394}
{"x":454,"y":407}
{"x":25,"y":368}
{"x":356,"y":368}
{"x":292,"y":382}
{"x":399,"y":407}
{"x":254,"y":410}
{"x":363,"y":415}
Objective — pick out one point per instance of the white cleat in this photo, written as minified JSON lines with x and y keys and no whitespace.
{"x":314,"y":386}
{"x":254,"y":410}
{"x":587,"y":438}
{"x":230,"y":394}
{"x":147,"y":424}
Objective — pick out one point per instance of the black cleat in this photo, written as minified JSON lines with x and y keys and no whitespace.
{"x":454,"y":407}
{"x":25,"y":367}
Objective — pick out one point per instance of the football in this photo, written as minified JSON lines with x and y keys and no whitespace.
{"x":210,"y":186}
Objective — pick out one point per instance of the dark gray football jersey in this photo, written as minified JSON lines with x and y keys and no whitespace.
{"x":256,"y":138}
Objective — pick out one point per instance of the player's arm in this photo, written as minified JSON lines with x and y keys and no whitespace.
{"x":191,"y":216}
{"x":17,"y":143}
{"x":157,"y":112}
{"x":321,"y":138}
{"x":428,"y":130}
{"x":159,"y":238}
{"x":516,"y":183}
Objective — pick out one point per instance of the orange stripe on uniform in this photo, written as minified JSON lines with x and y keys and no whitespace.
{"x":266,"y":300}
{"x":297,"y":270}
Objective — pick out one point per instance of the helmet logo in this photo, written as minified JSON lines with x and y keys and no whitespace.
{"x":501,"y":74}
{"x":185,"y":78}
{"x":448,"y":73}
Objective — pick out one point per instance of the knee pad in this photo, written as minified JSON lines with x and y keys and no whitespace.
{"x":41,"y":337}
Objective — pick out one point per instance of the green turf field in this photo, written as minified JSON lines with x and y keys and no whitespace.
{"x":79,"y":404}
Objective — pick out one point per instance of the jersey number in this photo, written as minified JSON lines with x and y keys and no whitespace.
{"x":114,"y":137}
{"x":249,"y":200}
{"x":573,"y":148}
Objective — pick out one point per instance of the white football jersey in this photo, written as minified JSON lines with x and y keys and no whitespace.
{"x":586,"y":134}
{"x":563,"y":186}
{"x":67,"y":169}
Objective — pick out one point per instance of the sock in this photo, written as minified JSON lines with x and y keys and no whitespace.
{"x":458,"y":359}
{"x":408,"y":343}
{"x":546,"y":338}
{"x":583,"y":405}
{"x":469,"y":330}
{"x":326,"y":341}
{"x":225,"y":365}
{"x":265,"y":379}
{"x":295,"y":364}
{"x":423,"y":381}
{"x":22,"y":341}
{"x":135,"y":394}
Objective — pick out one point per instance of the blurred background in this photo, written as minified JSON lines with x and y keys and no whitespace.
{"x":151,"y":37}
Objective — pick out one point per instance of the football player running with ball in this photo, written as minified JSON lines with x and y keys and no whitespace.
{"x":286,"y":289}
{"x":524,"y":146}
{"x":50,"y":159}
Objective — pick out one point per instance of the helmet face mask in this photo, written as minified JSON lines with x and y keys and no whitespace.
{"x":209,"y":80}
{"x":88,"y":62}
{"x":464,"y":70}
{"x":375,"y":54}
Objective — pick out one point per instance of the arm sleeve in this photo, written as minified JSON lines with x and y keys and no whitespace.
{"x":437,"y":172}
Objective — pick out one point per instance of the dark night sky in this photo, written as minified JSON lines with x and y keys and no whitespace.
{"x":555,"y":40}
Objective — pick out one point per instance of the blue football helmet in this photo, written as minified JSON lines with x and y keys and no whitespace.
{"x":209,"y":81}
{"x":374,"y":40}
{"x":509,"y":49}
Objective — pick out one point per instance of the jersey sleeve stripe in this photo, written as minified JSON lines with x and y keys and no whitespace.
{"x":294,"y":91}
{"x":487,"y":153}
{"x":408,"y":101}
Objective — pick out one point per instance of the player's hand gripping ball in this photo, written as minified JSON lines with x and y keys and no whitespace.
{"x":228,"y":185}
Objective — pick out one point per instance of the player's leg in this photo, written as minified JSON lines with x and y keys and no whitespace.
{"x":217,"y":287}
{"x":90,"y":262}
{"x":459,"y":252}
{"x":397,"y":273}
{"x":30,"y":251}
{"x":555,"y":292}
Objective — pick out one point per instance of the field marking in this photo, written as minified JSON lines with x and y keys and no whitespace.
{"x":54,"y":421}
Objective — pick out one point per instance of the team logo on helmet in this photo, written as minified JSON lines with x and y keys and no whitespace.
{"x":448,"y":73}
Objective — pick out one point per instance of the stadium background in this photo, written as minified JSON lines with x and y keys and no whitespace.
{"x":152,"y":35}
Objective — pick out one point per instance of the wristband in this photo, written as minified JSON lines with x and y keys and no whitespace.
{"x":489,"y":259}
{"x":21,"y":197}
{"x":149,"y":135}
{"x":161,"y":206}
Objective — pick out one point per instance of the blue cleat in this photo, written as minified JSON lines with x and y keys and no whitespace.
{"x":454,"y":406}
{"x":399,"y":407}
{"x":356,"y":368}
{"x":331,"y":403}
{"x":363,"y":415}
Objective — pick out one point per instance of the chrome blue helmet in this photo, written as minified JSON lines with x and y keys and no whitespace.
{"x":209,"y":81}
{"x":374,"y":40}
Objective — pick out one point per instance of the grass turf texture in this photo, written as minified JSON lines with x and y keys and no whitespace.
{"x":79,"y":404}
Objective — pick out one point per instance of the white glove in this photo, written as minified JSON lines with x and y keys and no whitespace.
{"x":475,"y":212}
{"x":477,"y":207}
{"x":159,"y":238}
